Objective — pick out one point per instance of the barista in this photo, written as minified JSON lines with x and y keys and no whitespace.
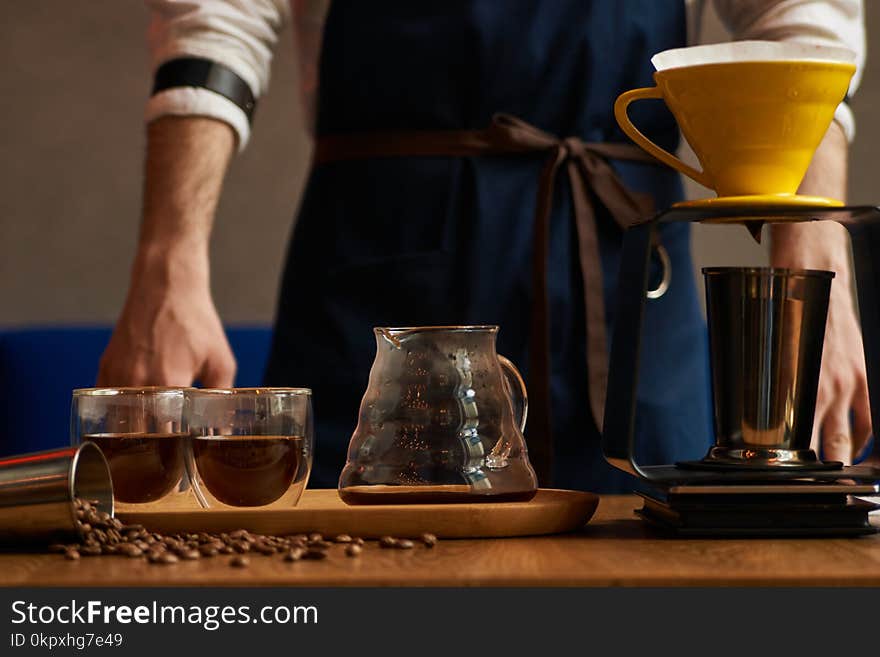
{"x":423,"y":209}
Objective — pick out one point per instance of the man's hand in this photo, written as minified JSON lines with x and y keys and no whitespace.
{"x":825,"y":245}
{"x":169,"y":332}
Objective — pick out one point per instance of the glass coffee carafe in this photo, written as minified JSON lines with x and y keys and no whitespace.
{"x":441,"y":421}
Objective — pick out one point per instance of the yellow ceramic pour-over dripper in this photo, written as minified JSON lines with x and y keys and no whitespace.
{"x":754,"y":113}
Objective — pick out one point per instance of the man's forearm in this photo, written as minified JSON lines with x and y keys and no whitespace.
{"x":818,"y":245}
{"x":186,"y":162}
{"x":843,"y":419}
{"x":169,"y":332}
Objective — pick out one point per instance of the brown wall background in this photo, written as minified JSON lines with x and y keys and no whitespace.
{"x":74,"y":79}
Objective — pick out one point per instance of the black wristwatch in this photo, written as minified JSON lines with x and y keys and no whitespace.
{"x":206,"y":74}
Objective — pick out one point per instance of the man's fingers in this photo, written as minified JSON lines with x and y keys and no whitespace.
{"x":218,"y":371}
{"x":113,"y":371}
{"x":861,"y":429}
{"x":104,"y":376}
{"x":819,"y":420}
{"x":836,"y":436}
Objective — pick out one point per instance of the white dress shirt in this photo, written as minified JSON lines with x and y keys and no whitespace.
{"x":241,"y":34}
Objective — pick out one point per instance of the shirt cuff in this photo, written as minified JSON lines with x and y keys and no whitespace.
{"x":845,"y":119}
{"x":195,"y":101}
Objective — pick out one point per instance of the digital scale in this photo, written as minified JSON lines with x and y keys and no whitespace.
{"x":704,"y":498}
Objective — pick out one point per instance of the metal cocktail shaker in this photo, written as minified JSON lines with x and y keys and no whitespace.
{"x":38,"y":492}
{"x":766,"y":331}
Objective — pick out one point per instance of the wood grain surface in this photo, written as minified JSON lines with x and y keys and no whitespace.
{"x":549,"y":512}
{"x":614,"y":549}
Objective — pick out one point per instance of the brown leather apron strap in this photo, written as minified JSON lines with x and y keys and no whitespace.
{"x":591,"y":178}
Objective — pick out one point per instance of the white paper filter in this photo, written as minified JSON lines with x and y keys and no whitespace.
{"x":749,"y":51}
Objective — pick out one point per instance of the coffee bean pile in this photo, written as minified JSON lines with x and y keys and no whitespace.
{"x":101,"y":534}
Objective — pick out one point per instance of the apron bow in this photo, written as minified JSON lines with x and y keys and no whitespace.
{"x":590,"y":178}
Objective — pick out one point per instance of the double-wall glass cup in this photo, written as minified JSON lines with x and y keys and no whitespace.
{"x":249,"y":447}
{"x":143,"y":437}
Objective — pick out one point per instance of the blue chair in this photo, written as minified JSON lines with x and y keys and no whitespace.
{"x":40,"y":366}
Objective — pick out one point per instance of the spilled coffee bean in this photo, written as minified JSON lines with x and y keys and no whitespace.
{"x":209,"y":550}
{"x":131,"y":550}
{"x":102,"y":535}
{"x":314,"y":554}
{"x":295,"y":554}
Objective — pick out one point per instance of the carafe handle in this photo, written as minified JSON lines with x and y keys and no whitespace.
{"x":516,"y":387}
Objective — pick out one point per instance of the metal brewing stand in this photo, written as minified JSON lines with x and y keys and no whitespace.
{"x":688,"y":500}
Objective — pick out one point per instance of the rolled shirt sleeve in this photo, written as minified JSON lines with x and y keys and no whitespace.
{"x":240,"y":34}
{"x":837,"y":23}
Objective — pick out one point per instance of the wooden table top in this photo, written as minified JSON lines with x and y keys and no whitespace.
{"x":615,"y":548}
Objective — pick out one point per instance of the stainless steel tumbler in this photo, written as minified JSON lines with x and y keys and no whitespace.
{"x":766,"y":330}
{"x":37,"y":492}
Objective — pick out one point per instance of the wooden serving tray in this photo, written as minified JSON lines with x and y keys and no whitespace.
{"x":549,"y":512}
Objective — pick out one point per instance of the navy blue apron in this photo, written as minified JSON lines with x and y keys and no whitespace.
{"x":406,"y":241}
